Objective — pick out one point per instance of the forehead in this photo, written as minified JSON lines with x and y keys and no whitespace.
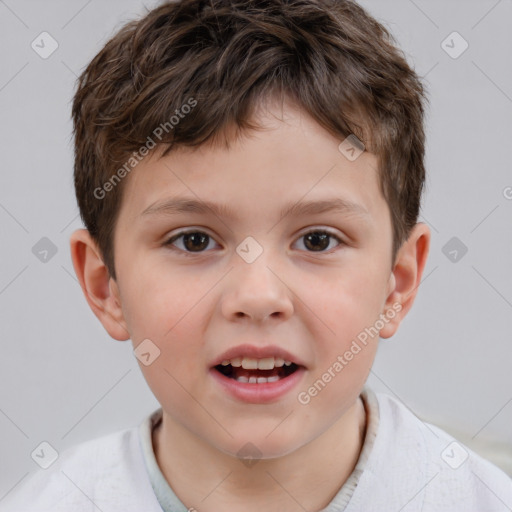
{"x":291,"y":159}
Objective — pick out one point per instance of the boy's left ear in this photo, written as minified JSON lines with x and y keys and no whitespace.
{"x":406,"y":278}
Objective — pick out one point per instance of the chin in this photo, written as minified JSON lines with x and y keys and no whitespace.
{"x":260,"y":447}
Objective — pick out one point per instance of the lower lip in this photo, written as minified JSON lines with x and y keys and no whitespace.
{"x":258,"y":393}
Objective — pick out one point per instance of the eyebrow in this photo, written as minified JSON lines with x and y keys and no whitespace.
{"x":175,"y":206}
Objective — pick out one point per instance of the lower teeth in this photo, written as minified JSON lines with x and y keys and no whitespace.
{"x":258,"y":380}
{"x":257,"y":376}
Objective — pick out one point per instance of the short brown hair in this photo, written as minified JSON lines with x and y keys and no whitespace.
{"x":330,"y":57}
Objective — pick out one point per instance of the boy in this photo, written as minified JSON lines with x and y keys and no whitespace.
{"x":250,"y":176}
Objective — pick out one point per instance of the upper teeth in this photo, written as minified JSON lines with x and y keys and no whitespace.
{"x":248,"y":363}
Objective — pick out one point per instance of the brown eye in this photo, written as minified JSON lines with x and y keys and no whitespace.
{"x":191,"y":241}
{"x":195,"y":241}
{"x":316,"y":241}
{"x":319,"y":241}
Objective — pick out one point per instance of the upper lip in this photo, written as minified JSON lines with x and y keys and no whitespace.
{"x":257,"y":352}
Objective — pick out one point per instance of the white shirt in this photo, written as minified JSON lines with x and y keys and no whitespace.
{"x":405,"y":465}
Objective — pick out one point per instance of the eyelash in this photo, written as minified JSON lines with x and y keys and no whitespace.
{"x":169,"y":243}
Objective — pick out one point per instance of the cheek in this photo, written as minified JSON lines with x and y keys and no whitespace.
{"x":342,"y":303}
{"x":175,"y":373}
{"x":168,"y":310}
{"x":159,"y":301}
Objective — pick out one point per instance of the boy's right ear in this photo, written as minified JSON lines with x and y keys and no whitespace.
{"x":100,"y":290}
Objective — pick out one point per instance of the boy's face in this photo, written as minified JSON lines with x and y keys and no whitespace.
{"x":256,"y":279}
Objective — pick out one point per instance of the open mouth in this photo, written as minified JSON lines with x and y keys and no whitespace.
{"x":256,"y":376}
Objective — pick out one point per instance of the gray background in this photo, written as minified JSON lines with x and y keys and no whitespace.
{"x":64,"y":380}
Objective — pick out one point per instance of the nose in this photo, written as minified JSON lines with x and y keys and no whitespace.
{"x":256,"y":291}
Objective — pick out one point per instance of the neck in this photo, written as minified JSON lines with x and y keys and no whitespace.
{"x":306,"y":479}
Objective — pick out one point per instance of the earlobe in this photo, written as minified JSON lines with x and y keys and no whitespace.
{"x":100,"y":290}
{"x":406,"y":278}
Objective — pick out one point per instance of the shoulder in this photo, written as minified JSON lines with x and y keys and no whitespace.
{"x":418,"y":466}
{"x":106,"y":473}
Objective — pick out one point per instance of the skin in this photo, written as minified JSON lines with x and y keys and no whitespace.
{"x":313,"y":303}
